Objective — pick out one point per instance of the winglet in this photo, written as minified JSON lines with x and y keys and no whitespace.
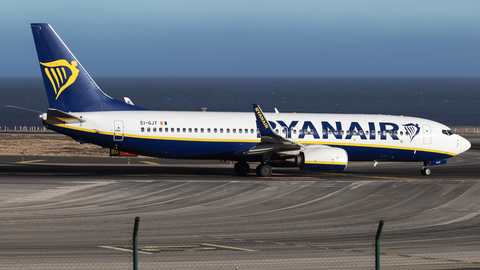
{"x":262,"y":122}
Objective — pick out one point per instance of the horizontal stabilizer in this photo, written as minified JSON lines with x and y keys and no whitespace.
{"x":59,"y":117}
{"x":25,"y":110}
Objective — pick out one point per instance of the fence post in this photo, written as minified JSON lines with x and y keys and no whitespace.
{"x":135,"y":247}
{"x":377,"y":245}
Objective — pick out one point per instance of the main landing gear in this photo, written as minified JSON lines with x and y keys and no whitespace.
{"x":241,"y":168}
{"x":263,"y":170}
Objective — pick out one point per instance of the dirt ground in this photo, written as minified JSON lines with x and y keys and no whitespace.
{"x":47,"y":145}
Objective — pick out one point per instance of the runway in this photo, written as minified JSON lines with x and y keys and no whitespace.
{"x":62,"y":212}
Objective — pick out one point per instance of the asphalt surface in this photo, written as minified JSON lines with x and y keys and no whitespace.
{"x":63,"y":213}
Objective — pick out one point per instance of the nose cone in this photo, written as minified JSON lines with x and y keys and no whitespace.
{"x":463,"y":144}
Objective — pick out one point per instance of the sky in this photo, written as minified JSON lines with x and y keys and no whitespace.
{"x":249,"y":38}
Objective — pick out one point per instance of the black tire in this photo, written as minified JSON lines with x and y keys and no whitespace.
{"x":426,"y":171}
{"x":241,"y":168}
{"x":264,"y":170}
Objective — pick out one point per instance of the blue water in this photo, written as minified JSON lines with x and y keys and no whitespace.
{"x":452,"y":101}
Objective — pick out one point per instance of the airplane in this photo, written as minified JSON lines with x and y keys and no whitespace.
{"x":309,"y":141}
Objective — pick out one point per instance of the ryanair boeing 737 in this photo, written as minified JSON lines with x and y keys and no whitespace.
{"x":79,"y":109}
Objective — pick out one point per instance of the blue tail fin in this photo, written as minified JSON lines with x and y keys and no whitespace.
{"x":69,"y":87}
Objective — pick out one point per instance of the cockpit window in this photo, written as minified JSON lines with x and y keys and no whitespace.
{"x":447,"y":132}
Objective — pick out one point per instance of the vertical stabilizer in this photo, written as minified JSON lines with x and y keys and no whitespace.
{"x":68,"y":85}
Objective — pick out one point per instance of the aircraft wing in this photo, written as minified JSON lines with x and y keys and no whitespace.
{"x":270,"y":141}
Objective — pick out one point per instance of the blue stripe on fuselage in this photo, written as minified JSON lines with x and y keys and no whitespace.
{"x":231,"y":150}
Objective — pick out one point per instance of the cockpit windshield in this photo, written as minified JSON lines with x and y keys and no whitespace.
{"x":447,"y":132}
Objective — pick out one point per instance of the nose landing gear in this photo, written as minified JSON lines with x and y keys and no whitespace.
{"x":425,"y":169}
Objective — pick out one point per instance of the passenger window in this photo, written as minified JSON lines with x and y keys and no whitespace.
{"x":221,"y":130}
{"x":294,"y":131}
{"x":201,"y":130}
{"x":252,"y":130}
{"x":190,"y":130}
{"x":166,"y":129}
{"x":184,"y":130}
{"x":173,"y":130}
{"x":148,"y":129}
{"x":160,"y":129}
{"x":276,"y":131}
{"x":208,"y":130}
{"x":228,"y":130}
{"x":239,"y":130}
{"x":214,"y":130}
{"x":142,"y":129}
{"x":154,"y":129}
{"x":196,"y":130}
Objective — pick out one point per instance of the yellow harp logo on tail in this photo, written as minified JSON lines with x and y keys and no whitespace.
{"x":59,"y":76}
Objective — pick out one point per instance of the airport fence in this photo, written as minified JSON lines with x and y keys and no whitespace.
{"x":466,"y":130}
{"x":67,"y":241}
{"x":23,"y":128}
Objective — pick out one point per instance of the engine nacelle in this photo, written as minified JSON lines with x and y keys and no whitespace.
{"x":324,"y":159}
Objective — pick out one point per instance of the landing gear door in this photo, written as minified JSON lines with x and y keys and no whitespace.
{"x":118,"y":130}
{"x":427,"y":134}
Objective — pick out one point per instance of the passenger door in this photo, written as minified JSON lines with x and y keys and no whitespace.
{"x":118,"y":130}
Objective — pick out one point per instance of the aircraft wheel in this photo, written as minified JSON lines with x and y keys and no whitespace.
{"x":264,"y":170}
{"x":426,"y":171}
{"x":241,"y":168}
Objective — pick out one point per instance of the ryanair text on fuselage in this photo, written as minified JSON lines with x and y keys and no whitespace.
{"x":380,"y":130}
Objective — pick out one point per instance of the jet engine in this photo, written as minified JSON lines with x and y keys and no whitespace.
{"x":323,"y":159}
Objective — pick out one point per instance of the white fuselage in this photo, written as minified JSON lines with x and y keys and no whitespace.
{"x":220,"y":134}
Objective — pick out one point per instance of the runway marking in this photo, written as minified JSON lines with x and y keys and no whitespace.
{"x":31,"y":161}
{"x":149,"y":162}
{"x":227,"y":247}
{"x":403,"y":178}
{"x":124,"y":249}
{"x":346,"y":250}
{"x":183,"y":248}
